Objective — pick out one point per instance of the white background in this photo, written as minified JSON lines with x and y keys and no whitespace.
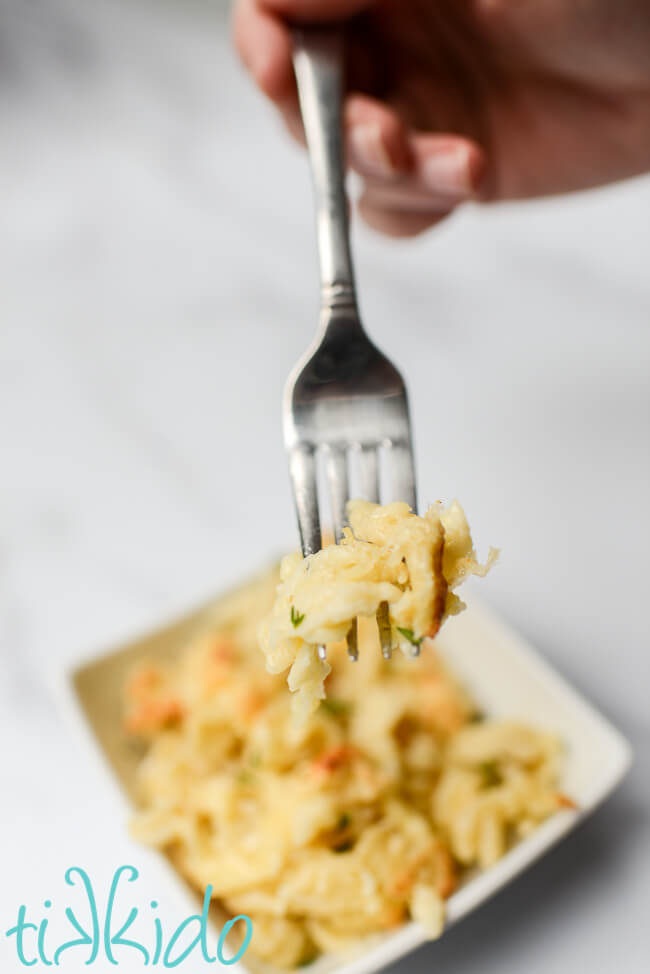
{"x":157,"y":281}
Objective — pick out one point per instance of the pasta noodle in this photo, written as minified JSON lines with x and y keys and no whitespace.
{"x":387,"y":555}
{"x":343,"y":825}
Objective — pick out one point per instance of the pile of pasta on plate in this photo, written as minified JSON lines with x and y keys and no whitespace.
{"x":368,"y":809}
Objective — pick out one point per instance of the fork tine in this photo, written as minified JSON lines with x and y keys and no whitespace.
{"x":302,"y":467}
{"x":403,"y":473}
{"x":369,"y":480}
{"x":383,"y":623}
{"x":337,"y":476}
{"x":401,"y":454}
{"x":352,"y":640}
{"x":369,"y":473}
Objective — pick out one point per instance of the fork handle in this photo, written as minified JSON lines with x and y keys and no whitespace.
{"x":318,"y":60}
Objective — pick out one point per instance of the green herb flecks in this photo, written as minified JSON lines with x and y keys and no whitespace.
{"x":409,"y":634}
{"x":336,"y":708}
{"x":490,"y":774}
{"x":307,"y":959}
{"x":296,"y":617}
{"x":343,"y":838}
{"x":343,"y":847}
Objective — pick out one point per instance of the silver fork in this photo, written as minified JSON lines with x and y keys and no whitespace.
{"x":343,"y":397}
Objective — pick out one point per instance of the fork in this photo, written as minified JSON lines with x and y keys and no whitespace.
{"x":344,"y":397}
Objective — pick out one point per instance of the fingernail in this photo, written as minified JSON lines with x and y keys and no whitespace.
{"x":449,"y":172}
{"x":368,"y":150}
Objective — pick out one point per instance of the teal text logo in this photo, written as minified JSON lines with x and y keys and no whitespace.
{"x":107,"y":934}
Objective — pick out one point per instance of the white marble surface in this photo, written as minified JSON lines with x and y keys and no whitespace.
{"x":157,"y":280}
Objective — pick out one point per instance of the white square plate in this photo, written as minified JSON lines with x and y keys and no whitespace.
{"x":505,"y":676}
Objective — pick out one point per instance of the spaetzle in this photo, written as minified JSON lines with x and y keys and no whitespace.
{"x":346,"y":825}
{"x":387,"y":555}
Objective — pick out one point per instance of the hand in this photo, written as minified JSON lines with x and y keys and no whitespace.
{"x":453,"y":100}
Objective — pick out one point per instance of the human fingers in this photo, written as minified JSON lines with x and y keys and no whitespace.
{"x":448,"y":165}
{"x":446,"y":171}
{"x":311,"y":10}
{"x":411,"y":180}
{"x":263,"y":43}
{"x":377,"y":144}
{"x":376,"y":140}
{"x":263,"y":40}
{"x":397,"y":222}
